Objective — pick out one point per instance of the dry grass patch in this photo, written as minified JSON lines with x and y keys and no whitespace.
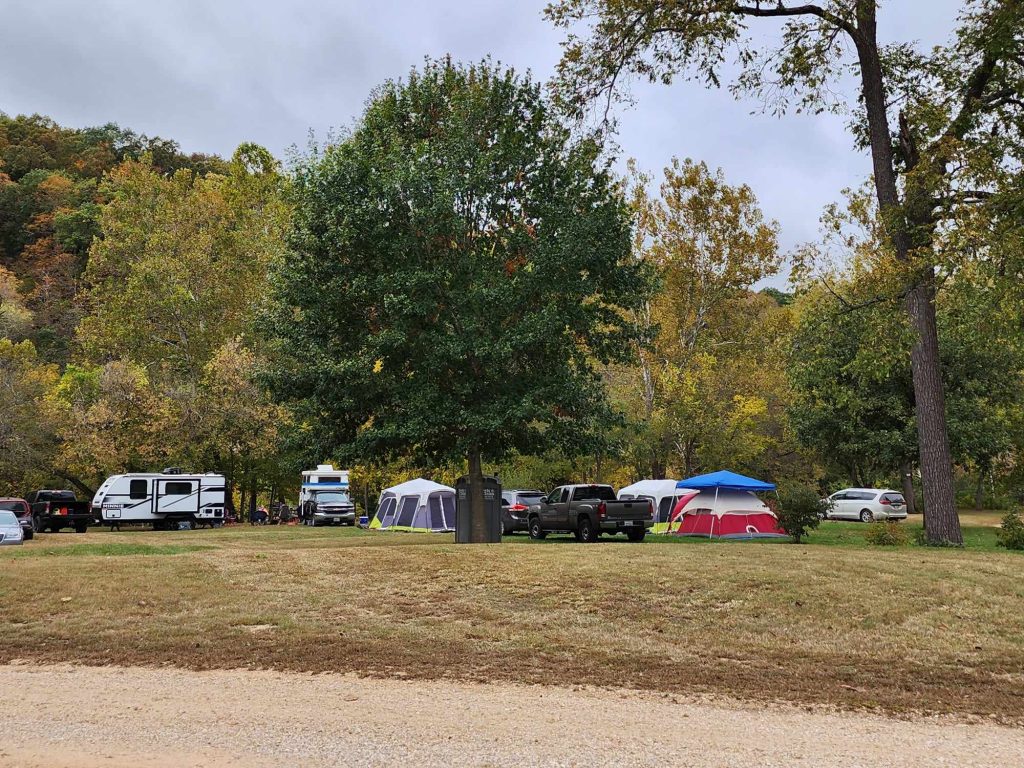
{"x":910,"y":629}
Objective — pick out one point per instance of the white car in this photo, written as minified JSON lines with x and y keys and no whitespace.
{"x":867,"y":504}
{"x":10,"y":528}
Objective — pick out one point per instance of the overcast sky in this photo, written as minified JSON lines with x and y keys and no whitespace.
{"x":213,"y":73}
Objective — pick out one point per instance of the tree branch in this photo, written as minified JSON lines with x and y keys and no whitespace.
{"x":849,"y":307}
{"x":797,"y":10}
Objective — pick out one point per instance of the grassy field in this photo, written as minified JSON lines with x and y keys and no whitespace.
{"x":832,"y":622}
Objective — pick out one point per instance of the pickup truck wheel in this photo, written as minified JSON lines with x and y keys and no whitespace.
{"x":536,"y":532}
{"x":37,"y":526}
{"x":636,"y":535}
{"x":55,"y":528}
{"x":29,"y":533}
{"x":81,"y":527}
{"x":585,"y":531}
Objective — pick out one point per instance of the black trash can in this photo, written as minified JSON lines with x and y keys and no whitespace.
{"x":492,"y":508}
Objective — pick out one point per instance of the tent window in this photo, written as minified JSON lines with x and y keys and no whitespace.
{"x":386,"y":513}
{"x":436,"y":513}
{"x":407,"y":511}
{"x":448,"y":504}
{"x":665,"y":509}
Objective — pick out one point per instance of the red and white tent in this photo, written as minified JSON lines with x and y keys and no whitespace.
{"x":723,"y":505}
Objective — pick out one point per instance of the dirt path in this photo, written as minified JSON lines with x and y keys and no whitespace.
{"x":86,"y":717}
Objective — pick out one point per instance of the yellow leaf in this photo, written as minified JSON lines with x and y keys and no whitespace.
{"x":378,"y":366}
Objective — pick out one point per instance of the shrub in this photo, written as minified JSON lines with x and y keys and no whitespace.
{"x":800,"y":511}
{"x":886,"y":534}
{"x":1011,"y":532}
{"x":921,"y":539}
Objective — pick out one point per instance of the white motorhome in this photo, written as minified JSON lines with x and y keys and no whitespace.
{"x":323,"y":497}
{"x":166,"y":499}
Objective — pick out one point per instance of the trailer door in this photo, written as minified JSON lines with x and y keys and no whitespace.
{"x":177,"y":496}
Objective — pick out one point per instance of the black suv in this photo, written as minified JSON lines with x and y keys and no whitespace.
{"x":514,"y":507}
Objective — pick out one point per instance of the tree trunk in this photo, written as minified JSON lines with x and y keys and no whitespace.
{"x":979,"y":491}
{"x":657,"y":469}
{"x":477,"y":512}
{"x":229,"y":496}
{"x":907,"y":483}
{"x":242,"y":508}
{"x":941,"y":521}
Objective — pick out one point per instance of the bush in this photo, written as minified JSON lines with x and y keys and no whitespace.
{"x":886,"y":534}
{"x":1011,"y":532}
{"x":921,"y":539}
{"x":800,"y":511}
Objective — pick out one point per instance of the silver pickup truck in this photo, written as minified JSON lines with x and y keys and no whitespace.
{"x":587,"y":511}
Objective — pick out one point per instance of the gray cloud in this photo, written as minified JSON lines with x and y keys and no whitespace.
{"x":214,"y":74}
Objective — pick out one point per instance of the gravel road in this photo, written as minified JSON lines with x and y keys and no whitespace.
{"x":86,"y":717}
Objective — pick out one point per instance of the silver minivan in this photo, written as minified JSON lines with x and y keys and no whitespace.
{"x":867,"y":504}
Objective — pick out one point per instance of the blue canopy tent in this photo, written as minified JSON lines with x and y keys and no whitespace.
{"x":738,"y":520}
{"x":725,"y":479}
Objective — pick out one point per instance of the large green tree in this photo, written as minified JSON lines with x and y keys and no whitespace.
{"x":461,"y":265}
{"x":944,"y":130}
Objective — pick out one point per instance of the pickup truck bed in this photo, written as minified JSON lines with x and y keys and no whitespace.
{"x":587,"y":511}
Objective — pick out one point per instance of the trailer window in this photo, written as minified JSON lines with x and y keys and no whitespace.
{"x":138,"y":489}
{"x":178,"y":489}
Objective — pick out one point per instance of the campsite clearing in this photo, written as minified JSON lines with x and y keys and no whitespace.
{"x":899,"y":630}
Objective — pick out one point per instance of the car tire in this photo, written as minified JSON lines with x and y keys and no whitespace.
{"x":37,"y":526}
{"x":28,"y":533}
{"x":536,"y":532}
{"x":585,"y":531}
{"x":866,"y":516}
{"x":81,"y":527}
{"x":636,"y":535}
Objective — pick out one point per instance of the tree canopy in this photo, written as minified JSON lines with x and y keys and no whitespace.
{"x":460,"y":267}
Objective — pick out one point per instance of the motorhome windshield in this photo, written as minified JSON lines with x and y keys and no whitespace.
{"x":336,"y":497}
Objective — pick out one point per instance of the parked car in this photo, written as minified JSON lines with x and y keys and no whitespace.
{"x":10,"y":528}
{"x":22,"y":511}
{"x":587,"y":511}
{"x":866,"y":504}
{"x":515,"y":505}
{"x":53,"y":510}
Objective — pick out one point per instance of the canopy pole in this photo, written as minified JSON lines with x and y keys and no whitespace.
{"x":714,"y":514}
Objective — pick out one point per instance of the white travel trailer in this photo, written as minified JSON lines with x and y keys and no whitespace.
{"x":166,"y":499}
